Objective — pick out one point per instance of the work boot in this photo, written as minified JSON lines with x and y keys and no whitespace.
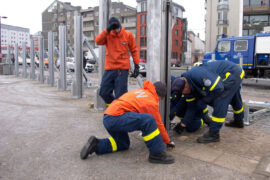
{"x":179,"y":129}
{"x":161,"y":158}
{"x":89,"y":147}
{"x":235,"y":123}
{"x":207,"y":119}
{"x":208,"y":138}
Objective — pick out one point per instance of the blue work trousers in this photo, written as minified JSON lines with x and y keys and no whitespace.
{"x":113,"y":81}
{"x":119,"y":127}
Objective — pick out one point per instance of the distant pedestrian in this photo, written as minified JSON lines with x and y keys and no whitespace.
{"x":118,"y":42}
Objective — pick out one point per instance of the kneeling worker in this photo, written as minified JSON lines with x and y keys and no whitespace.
{"x":135,"y":110}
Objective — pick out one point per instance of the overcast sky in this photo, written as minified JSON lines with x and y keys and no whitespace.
{"x":27,"y":13}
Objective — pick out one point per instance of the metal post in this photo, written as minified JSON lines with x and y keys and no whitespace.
{"x":159,"y":48}
{"x":246,"y":114}
{"x":41,"y":59}
{"x":32,"y":70}
{"x":213,"y":57}
{"x":51,"y":60}
{"x":62,"y":82}
{"x":241,"y":62}
{"x":104,"y":14}
{"x":24,"y":74}
{"x":8,"y":55}
{"x":16,"y":60}
{"x":77,"y":82}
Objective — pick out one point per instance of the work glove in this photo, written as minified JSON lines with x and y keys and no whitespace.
{"x":136,"y":71}
{"x":111,"y":27}
{"x":171,"y":145}
{"x":179,"y":129}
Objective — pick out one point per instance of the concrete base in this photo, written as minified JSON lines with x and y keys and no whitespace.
{"x":6,"y":69}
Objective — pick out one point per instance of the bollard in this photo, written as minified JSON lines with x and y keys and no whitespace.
{"x":77,"y":82}
{"x":16,"y":60}
{"x":51,"y":60}
{"x":32,"y":70}
{"x":62,"y":82}
{"x":24,"y":74}
{"x":41,"y":64}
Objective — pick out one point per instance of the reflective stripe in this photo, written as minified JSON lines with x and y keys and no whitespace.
{"x":220,"y":120}
{"x":113,"y":143}
{"x":180,"y":118}
{"x":151,"y":135}
{"x":170,"y":97}
{"x":239,"y":111}
{"x":183,"y":95}
{"x":214,"y":85}
{"x":189,"y":100}
{"x":203,"y":88}
{"x":242,"y":74}
{"x":202,"y":122}
{"x":227,"y":75}
{"x":205,"y":110}
{"x":175,"y":96}
{"x":108,"y":105}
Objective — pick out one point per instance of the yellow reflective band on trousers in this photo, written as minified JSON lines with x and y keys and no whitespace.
{"x":183,"y":95}
{"x":220,"y":120}
{"x":227,"y":75}
{"x":151,"y":135}
{"x":189,"y":100}
{"x":170,"y":97}
{"x":114,"y":146}
{"x":108,"y":105}
{"x":242,"y":74}
{"x":180,"y":118}
{"x":205,"y":110}
{"x":239,"y":111}
{"x":202,"y":122}
{"x":214,"y":85}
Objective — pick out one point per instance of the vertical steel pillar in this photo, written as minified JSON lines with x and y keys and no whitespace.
{"x":62,"y":82}
{"x":16,"y":60}
{"x":104,"y":14}
{"x":77,"y":82}
{"x":51,"y":60}
{"x":8,"y":55}
{"x":32,"y":57}
{"x":41,"y":59}
{"x":24,"y":74}
{"x":159,"y":49}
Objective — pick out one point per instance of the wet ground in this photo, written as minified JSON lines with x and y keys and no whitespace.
{"x":43,"y":130}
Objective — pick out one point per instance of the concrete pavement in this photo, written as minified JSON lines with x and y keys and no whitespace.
{"x":42,"y":132}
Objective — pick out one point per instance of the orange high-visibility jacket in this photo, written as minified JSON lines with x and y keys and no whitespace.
{"x":143,"y":100}
{"x":117,"y":46}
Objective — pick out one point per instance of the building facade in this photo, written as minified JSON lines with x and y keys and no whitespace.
{"x":10,"y":35}
{"x":256,"y":16}
{"x":125,"y":14}
{"x":223,"y":17}
{"x":59,"y":13}
{"x":179,"y":26}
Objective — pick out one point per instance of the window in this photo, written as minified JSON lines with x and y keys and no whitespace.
{"x":117,"y":10}
{"x":55,"y":15}
{"x":143,"y":54}
{"x":224,"y":46}
{"x":176,"y":32}
{"x":143,"y":19}
{"x":241,"y":45}
{"x":176,"y":42}
{"x":142,"y":41}
{"x":143,"y":6}
{"x":143,"y":30}
{"x":68,"y":14}
{"x":259,"y":20}
{"x":55,"y":24}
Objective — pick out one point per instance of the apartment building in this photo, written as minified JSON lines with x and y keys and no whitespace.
{"x":197,"y":47}
{"x":223,"y":17}
{"x":59,"y":13}
{"x":179,"y":29}
{"x":10,"y":35}
{"x":256,"y":16}
{"x":125,"y":14}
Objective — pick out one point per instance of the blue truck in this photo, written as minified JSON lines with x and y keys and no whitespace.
{"x":254,"y":50}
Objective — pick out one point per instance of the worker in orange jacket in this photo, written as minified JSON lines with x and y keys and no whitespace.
{"x":118,"y":42}
{"x":135,"y":110}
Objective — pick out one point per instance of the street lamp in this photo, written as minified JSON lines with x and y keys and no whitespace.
{"x":4,"y":17}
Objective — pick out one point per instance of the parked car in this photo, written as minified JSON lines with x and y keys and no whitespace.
{"x":20,"y":60}
{"x":70,"y":64}
{"x":45,"y":60}
{"x":142,"y":65}
{"x":89,"y":67}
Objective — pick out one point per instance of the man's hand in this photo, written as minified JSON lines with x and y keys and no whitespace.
{"x":171,"y":145}
{"x":136,"y":71}
{"x":179,"y":128}
{"x":110,"y":27}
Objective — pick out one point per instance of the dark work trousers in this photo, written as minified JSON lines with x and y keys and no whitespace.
{"x":113,"y":81}
{"x":221,"y":107}
{"x":119,"y":126}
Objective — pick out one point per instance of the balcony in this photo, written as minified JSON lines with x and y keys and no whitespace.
{"x":61,"y":19}
{"x":223,"y":7}
{"x":129,"y":25}
{"x":222,"y":22}
{"x":256,"y":25}
{"x":88,"y":18}
{"x":90,"y":28}
{"x":256,"y":9}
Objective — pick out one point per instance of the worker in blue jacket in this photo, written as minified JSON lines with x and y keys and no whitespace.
{"x":217,"y":84}
{"x":191,"y":113}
